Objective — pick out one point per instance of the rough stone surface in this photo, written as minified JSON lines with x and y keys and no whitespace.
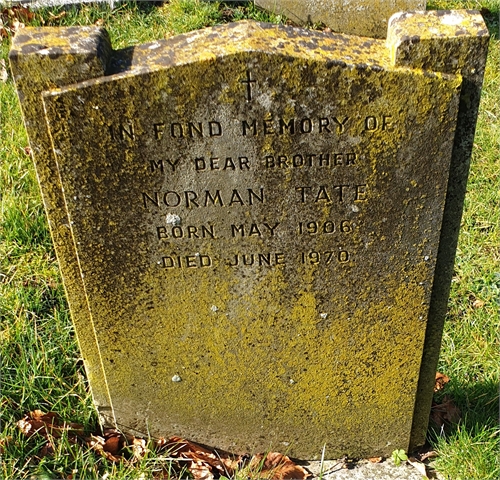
{"x":365,"y":470}
{"x":42,"y":59}
{"x":415,"y":40}
{"x":362,"y":17}
{"x":251,"y":219}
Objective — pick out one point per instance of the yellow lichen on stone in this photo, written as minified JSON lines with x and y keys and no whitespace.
{"x":43,"y":58}
{"x":443,"y":41}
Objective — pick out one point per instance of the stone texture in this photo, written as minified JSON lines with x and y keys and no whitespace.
{"x":365,"y":470}
{"x":464,"y":37}
{"x":42,"y":59}
{"x":360,"y":17}
{"x":252,"y":217}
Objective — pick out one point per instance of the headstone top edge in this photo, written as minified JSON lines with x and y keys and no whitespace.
{"x":251,"y":36}
{"x":175,"y":52}
{"x":452,"y":41}
{"x":424,"y":25}
{"x":240,"y":30}
{"x":54,"y":41}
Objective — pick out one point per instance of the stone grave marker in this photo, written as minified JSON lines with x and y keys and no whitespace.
{"x":249,"y":221}
{"x":360,"y":17}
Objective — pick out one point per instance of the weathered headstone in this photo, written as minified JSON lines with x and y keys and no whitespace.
{"x":360,"y":17}
{"x":248,"y":222}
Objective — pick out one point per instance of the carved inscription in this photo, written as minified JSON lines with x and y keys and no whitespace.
{"x":216,"y":163}
{"x":248,"y":81}
{"x":329,"y":126}
{"x":351,"y":193}
{"x":244,"y":163}
{"x":243,"y":198}
{"x":186,"y":240}
{"x":333,"y":193}
{"x":319,"y":228}
{"x":310,"y":160}
{"x":189,"y":231}
{"x":257,"y":259}
{"x":188,"y":129}
{"x":197,"y":260}
{"x":196,"y":199}
{"x":294,"y":126}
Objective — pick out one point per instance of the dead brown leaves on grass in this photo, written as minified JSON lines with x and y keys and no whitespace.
{"x":46,"y":424}
{"x":276,"y":466}
{"x":441,"y":381}
{"x":203,"y":463}
{"x":445,"y":412}
{"x":14,"y":18}
{"x":49,"y":426}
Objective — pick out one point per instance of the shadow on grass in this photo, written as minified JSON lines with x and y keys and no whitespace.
{"x":478,"y":405}
{"x":491,"y":18}
{"x":469,"y":448}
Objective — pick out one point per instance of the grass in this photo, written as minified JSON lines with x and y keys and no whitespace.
{"x":41,"y":366}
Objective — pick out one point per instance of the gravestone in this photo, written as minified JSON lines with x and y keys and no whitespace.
{"x":362,"y":17}
{"x":249,"y":221}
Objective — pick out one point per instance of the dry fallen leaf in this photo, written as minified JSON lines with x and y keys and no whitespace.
{"x":477,"y":304}
{"x":97,"y":443}
{"x":23,"y":13}
{"x":207,"y":464}
{"x":54,"y":18}
{"x":200,"y":470}
{"x":112,"y":445}
{"x":473,"y":300}
{"x":50,"y":427}
{"x":12,"y":19}
{"x":48,"y":449}
{"x":16,"y":25}
{"x":204,"y":462}
{"x":445,"y":413}
{"x":139,"y":448}
{"x":441,"y":381}
{"x":3,"y":442}
{"x":427,"y":455}
{"x":276,"y":466}
{"x":26,"y":427}
{"x":47,"y":424}
{"x":113,"y":441}
{"x":418,"y":465}
{"x":376,"y":459}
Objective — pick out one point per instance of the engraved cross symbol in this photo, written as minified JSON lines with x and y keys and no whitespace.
{"x":249,"y":82}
